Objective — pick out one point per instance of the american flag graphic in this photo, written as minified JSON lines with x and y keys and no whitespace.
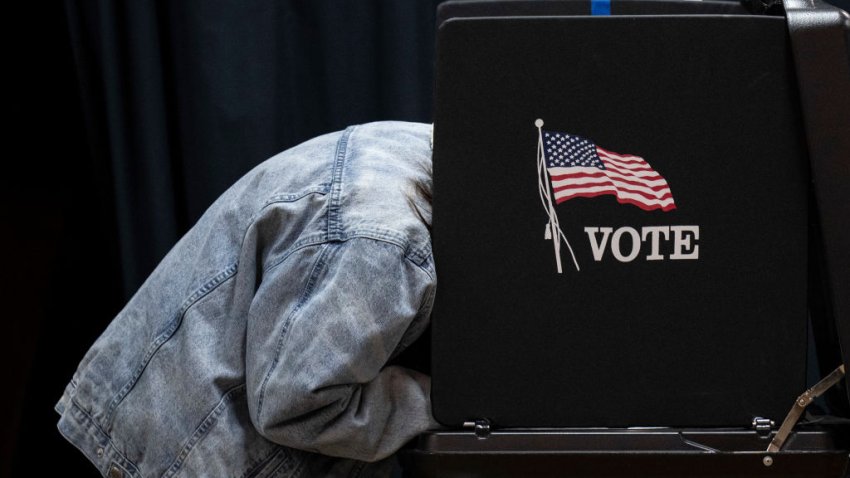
{"x":580,"y":168}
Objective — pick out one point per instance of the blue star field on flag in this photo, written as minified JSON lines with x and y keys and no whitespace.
{"x":566,"y":150}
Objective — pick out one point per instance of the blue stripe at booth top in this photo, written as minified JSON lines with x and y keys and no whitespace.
{"x":600,"y":7}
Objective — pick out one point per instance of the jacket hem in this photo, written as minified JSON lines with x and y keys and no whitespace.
{"x":81,"y":431}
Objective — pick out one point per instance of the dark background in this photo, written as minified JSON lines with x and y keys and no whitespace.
{"x":126,"y":120}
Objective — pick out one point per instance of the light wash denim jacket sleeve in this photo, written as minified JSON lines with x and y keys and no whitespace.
{"x":258,"y":345}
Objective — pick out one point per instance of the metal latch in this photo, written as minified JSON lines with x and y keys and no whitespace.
{"x":481,"y":427}
{"x":763,"y":426}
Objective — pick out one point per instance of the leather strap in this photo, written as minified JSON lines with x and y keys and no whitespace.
{"x":800,"y":405}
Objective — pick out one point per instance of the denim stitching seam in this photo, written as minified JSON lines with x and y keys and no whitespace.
{"x":336,"y":183}
{"x":166,"y":334}
{"x":257,"y":467}
{"x":305,"y":294}
{"x":77,"y":409}
{"x":201,"y":431}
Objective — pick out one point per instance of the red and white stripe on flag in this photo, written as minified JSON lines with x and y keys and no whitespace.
{"x":630,"y":178}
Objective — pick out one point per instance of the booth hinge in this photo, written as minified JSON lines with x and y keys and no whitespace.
{"x":763,"y":426}
{"x":480,"y":427}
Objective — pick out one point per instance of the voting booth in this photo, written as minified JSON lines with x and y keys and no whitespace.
{"x":639,"y":207}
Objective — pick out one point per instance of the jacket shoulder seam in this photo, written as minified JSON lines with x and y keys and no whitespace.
{"x":418,"y":256}
{"x":334,"y":219}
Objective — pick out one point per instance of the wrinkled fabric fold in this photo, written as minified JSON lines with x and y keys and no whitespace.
{"x":258,"y":346}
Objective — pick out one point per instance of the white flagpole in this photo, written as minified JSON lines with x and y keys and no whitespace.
{"x":544,"y":183}
{"x":550,"y":210}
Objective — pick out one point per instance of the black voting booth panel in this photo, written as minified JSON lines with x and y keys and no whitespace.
{"x":706,"y":324}
{"x":707,"y":94}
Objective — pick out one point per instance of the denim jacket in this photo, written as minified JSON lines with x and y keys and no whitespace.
{"x":258,"y":346}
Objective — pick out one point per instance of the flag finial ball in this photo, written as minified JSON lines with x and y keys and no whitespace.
{"x":538,"y":122}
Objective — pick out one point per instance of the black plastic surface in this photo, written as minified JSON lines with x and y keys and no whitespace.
{"x":710,"y":102}
{"x":820,"y":37}
{"x":612,"y":452}
{"x":524,"y":8}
